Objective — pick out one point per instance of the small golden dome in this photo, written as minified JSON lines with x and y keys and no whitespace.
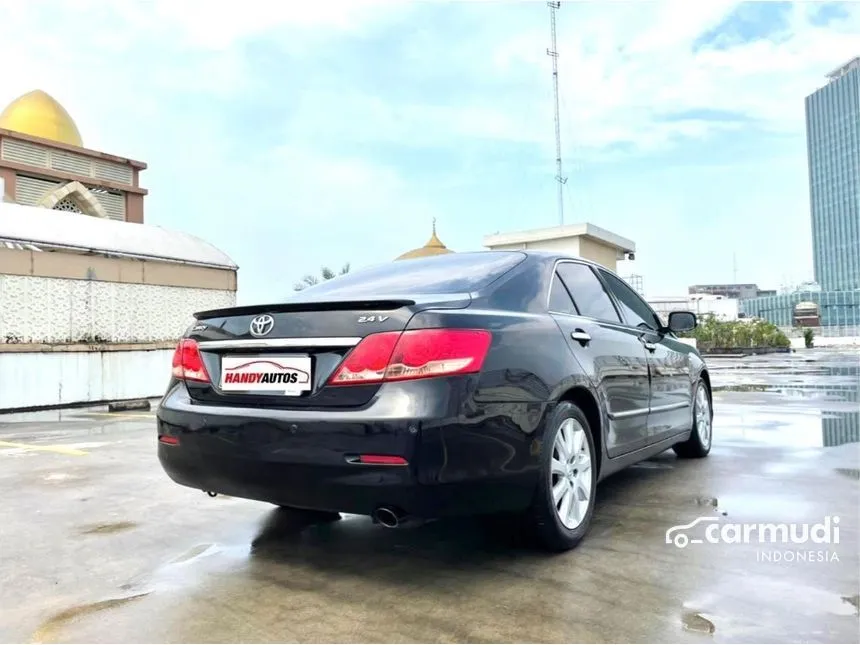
{"x":434,"y":246}
{"x":38,"y":114}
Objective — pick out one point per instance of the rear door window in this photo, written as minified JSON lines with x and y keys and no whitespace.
{"x":588,"y":293}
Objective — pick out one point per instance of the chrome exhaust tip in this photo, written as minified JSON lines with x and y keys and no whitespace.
{"x":388,"y":517}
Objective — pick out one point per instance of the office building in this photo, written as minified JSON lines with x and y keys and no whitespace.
{"x":737,"y":291}
{"x":833,"y":154}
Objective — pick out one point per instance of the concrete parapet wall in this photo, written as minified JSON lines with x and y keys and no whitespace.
{"x":34,"y":379}
{"x":828,"y":341}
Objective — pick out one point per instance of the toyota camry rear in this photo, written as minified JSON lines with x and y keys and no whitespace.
{"x":367,"y":394}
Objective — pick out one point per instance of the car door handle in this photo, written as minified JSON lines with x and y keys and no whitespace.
{"x":581,"y":337}
{"x":649,"y":346}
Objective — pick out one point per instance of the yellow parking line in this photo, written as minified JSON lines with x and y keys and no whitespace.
{"x":58,"y":449}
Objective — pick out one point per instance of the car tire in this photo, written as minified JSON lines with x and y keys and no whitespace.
{"x":702,"y":434}
{"x":545,"y":514}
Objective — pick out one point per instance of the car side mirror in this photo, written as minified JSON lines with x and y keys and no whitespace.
{"x":681,"y":321}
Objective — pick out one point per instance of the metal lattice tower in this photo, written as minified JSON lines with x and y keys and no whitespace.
{"x":637,"y":282}
{"x":559,"y":177}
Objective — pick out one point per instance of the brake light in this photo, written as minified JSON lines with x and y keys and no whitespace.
{"x":188,"y":364}
{"x":414,"y":354}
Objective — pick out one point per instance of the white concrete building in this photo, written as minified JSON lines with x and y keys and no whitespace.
{"x":700,"y":303}
{"x":583,"y":240}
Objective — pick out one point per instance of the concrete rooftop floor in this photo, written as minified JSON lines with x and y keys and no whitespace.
{"x":98,"y":545}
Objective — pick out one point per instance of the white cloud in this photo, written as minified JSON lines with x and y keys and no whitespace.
{"x":625,"y":67}
{"x":157,"y":80}
{"x":628,"y":72}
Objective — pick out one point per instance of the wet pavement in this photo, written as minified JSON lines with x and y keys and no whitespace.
{"x":99,"y":545}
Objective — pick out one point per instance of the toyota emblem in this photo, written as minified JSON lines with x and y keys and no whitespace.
{"x":262,"y":325}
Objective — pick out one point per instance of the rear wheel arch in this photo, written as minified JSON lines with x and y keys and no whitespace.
{"x":707,"y":379}
{"x":586,"y":402}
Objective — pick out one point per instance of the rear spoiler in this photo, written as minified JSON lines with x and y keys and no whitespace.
{"x":334,"y":305}
{"x":381,"y":302}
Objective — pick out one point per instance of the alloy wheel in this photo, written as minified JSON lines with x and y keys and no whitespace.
{"x":703,"y":416}
{"x":570,"y":474}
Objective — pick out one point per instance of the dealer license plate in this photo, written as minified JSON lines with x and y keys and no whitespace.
{"x":269,"y":374}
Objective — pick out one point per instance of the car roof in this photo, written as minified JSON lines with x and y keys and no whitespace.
{"x":539,"y":254}
{"x":532,"y":253}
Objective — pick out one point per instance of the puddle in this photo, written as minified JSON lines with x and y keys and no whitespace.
{"x":851,"y":473}
{"x":653,"y":465}
{"x":187,"y":568}
{"x":57,"y":477}
{"x":832,"y":377}
{"x":695,"y":622}
{"x":49,"y":627}
{"x":706,"y":501}
{"x":710,"y":502}
{"x":839,"y":428}
{"x":106,"y":529}
{"x":789,"y":429}
{"x":741,"y":388}
{"x":195,"y":552}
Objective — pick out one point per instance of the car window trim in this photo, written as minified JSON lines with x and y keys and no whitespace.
{"x":609,"y":293}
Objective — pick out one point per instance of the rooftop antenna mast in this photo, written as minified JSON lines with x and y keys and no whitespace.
{"x":559,"y":177}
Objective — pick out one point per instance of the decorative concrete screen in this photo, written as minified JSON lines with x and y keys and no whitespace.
{"x":56,"y":310}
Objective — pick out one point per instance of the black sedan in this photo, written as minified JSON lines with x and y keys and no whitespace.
{"x":470,"y":383}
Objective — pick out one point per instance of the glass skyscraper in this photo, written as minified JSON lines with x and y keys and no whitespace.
{"x":833,"y":150}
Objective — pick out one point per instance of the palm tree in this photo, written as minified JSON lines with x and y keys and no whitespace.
{"x":326,"y":274}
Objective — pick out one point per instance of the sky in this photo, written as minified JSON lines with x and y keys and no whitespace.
{"x":299,"y":135}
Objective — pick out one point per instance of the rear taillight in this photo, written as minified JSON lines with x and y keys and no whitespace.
{"x":419,"y":353}
{"x":187,"y":362}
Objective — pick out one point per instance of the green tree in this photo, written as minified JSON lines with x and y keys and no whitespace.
{"x":325,"y":274}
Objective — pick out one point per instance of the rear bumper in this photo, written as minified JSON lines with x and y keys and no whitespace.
{"x":458,"y":464}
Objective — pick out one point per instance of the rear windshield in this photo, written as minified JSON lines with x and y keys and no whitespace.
{"x":454,"y":273}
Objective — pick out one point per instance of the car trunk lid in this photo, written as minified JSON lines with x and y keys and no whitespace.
{"x":297,"y":346}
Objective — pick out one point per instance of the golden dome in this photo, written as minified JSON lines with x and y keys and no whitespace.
{"x":38,"y":114}
{"x":434,"y":246}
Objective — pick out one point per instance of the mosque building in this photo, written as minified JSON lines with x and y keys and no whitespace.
{"x":92,"y":299}
{"x":433,"y":247}
{"x":43,"y":162}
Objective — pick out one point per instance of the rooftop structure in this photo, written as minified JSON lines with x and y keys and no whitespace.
{"x":584,"y":240}
{"x":843,"y":69}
